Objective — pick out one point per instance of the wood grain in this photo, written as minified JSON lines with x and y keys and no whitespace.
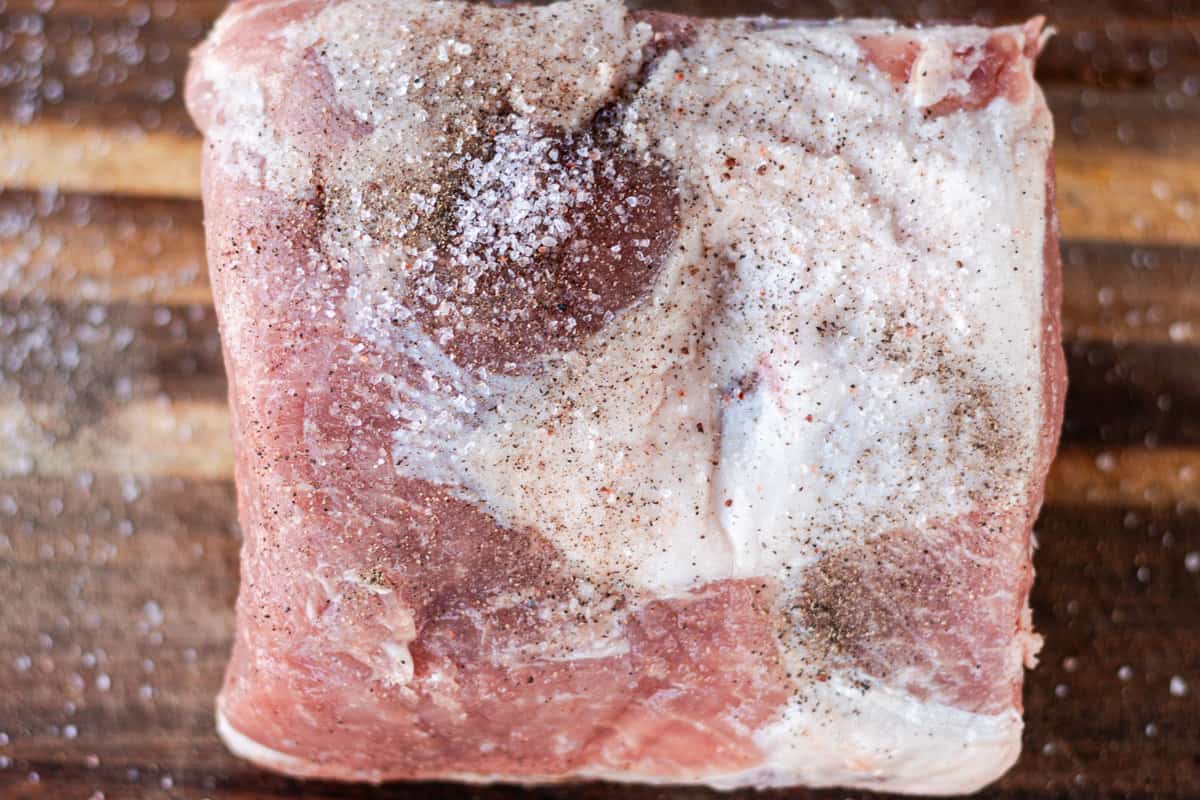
{"x":1132,"y":395}
{"x":1124,"y":294}
{"x":1127,"y":196}
{"x":103,"y":249}
{"x":99,"y":160}
{"x":1125,"y":478}
{"x":187,"y":439}
{"x":118,"y":534}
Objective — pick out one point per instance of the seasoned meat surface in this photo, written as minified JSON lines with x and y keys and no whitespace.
{"x":621,"y":395}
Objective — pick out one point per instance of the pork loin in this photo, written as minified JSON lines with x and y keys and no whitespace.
{"x":625,"y":396}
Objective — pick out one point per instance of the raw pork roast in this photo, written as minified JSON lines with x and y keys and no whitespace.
{"x":625,"y":396}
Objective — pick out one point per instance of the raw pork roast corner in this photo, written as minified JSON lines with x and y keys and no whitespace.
{"x":620,"y":395}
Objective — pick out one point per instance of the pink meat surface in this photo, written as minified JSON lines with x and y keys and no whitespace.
{"x":619,"y":395}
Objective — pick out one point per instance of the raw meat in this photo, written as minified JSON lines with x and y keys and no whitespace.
{"x":626,"y":396}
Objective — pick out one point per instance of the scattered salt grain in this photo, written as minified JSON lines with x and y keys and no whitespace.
{"x":153,"y":612}
{"x":130,"y":490}
{"x":1180,"y":331}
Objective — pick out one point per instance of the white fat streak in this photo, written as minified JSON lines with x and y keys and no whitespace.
{"x":883,"y":740}
{"x":253,"y":750}
{"x":388,"y":657}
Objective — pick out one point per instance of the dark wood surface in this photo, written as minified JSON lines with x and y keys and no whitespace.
{"x":118,"y":540}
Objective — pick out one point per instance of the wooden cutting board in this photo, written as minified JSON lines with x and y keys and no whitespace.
{"x":118,"y":540}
